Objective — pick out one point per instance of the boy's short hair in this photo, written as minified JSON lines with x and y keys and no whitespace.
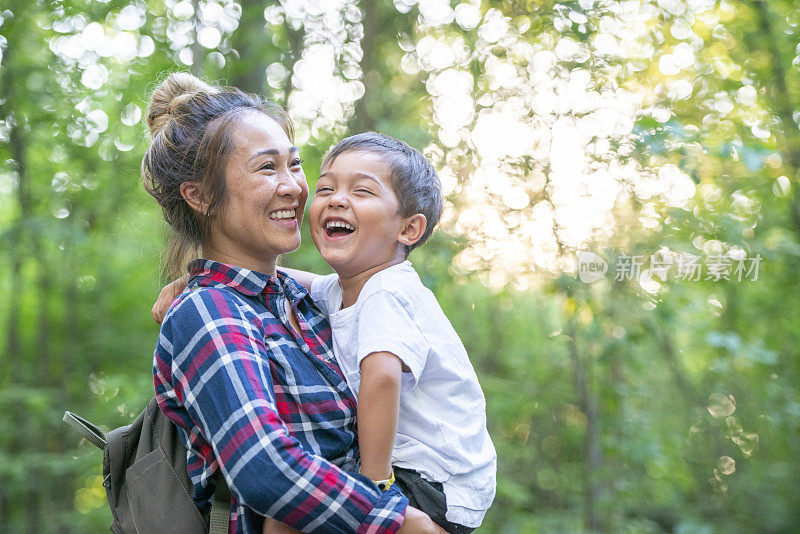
{"x":414,"y":180}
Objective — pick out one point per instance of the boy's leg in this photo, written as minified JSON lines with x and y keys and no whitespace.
{"x":428,"y":497}
{"x":273,"y":526}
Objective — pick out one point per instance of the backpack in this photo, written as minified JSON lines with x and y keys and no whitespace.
{"x":144,"y":474}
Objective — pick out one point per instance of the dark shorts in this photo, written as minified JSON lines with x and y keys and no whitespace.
{"x":428,"y":497}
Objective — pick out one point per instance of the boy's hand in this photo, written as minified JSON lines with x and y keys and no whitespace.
{"x":304,"y":278}
{"x":167,"y":295}
{"x":418,"y":522}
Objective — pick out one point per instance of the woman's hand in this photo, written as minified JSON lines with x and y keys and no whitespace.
{"x":418,"y":522}
{"x":167,"y":295}
{"x":273,"y":526}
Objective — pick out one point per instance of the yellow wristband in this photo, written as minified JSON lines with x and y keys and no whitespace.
{"x":384,"y":485}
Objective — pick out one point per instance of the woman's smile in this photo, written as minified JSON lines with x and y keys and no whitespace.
{"x":283,"y":215}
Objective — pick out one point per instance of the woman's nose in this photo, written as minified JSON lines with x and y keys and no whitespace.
{"x":289,"y":185}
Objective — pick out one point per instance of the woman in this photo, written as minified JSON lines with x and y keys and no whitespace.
{"x":244,"y":365}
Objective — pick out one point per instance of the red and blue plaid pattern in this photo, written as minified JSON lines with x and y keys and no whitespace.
{"x":270,"y":409}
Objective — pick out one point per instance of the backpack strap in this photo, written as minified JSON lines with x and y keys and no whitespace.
{"x":86,"y":429}
{"x":220,"y":507}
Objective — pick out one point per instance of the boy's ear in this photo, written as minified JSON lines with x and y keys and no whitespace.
{"x":413,"y":229}
{"x":193,"y":195}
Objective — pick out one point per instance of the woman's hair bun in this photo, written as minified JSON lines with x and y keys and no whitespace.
{"x":176,"y":88}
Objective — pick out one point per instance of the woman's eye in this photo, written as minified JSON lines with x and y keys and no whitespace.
{"x":269,"y":165}
{"x":297,"y":162}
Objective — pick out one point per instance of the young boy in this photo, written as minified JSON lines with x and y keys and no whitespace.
{"x":421,"y":412}
{"x":420,"y":408}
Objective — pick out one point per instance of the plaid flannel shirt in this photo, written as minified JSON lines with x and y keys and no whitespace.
{"x":268,"y":408}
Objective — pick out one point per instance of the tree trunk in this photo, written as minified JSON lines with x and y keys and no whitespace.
{"x":249,"y":71}
{"x":72,"y":328}
{"x":19,"y":231}
{"x":250,"y":75}
{"x":362,"y":119}
{"x":594,"y":454}
{"x":296,"y":38}
{"x":12,"y":347}
{"x":197,"y":48}
{"x":44,"y":289}
{"x":782,"y":104}
{"x":670,"y":354}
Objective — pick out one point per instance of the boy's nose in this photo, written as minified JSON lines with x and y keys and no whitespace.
{"x":338,"y":200}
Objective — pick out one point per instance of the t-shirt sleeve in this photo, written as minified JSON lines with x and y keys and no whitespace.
{"x":321,"y":292}
{"x":385,"y":325}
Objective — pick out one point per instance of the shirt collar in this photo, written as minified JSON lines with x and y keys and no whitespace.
{"x":206,"y":273}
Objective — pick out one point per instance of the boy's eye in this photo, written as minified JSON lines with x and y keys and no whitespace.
{"x":324,"y":188}
{"x":364,"y":190}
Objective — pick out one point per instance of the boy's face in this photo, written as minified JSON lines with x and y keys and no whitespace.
{"x":354,"y":216}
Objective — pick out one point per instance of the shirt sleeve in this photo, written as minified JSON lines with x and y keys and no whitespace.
{"x":385,"y":325}
{"x":320,"y":292}
{"x":220,"y":373}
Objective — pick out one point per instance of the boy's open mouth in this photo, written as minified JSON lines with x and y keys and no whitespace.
{"x":338,"y":228}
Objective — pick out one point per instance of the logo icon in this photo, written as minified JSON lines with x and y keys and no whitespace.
{"x":591,"y":267}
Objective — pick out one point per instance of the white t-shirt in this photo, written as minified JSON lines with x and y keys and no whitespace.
{"x":441,"y":431}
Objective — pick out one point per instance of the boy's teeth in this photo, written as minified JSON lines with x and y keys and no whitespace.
{"x":340,"y":224}
{"x":285,"y":214}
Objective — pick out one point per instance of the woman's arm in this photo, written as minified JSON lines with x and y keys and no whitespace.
{"x":216,"y":362}
{"x":415,"y":522}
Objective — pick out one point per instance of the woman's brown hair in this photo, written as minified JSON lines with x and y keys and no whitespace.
{"x":190,"y":124}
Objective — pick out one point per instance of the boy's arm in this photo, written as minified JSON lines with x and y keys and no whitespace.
{"x":167,"y":295}
{"x":378,"y":404}
{"x":304,"y":278}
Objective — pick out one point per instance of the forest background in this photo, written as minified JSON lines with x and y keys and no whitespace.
{"x":647,"y":384}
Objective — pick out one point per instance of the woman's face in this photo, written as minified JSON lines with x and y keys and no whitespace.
{"x":266,"y":192}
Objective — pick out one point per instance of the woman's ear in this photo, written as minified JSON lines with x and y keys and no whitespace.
{"x":413,"y":229}
{"x":193,"y":195}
